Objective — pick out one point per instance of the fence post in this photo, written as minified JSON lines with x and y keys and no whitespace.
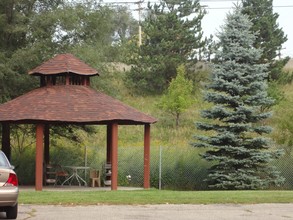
{"x":160,"y":169}
{"x":85,"y":161}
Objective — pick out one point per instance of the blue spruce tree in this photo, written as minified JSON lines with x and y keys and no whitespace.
{"x":236,"y":140}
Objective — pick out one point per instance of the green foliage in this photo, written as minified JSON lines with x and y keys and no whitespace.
{"x":171,"y":36}
{"x":179,"y":171}
{"x":283,"y":133}
{"x":125,"y":25}
{"x":270,"y":36}
{"x":283,"y":165}
{"x":275,"y":92}
{"x":179,"y":95}
{"x":23,"y":152}
{"x":66,"y":147}
{"x":286,"y":78}
{"x":24,"y":163}
{"x":209,"y":49}
{"x":34,"y":31}
{"x":236,"y":140}
{"x":177,"y":168}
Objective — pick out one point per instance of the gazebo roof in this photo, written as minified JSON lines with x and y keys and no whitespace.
{"x":64,"y":63}
{"x":70,"y":104}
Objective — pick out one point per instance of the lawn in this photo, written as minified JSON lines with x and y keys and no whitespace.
{"x":153,"y":197}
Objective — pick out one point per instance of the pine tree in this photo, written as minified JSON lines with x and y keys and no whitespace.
{"x":172,"y":34}
{"x":270,"y":36}
{"x":237,"y":147}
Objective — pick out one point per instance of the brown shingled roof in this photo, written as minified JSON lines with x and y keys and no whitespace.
{"x":72,"y":104}
{"x":64,"y":63}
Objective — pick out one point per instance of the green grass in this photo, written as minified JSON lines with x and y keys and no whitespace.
{"x":153,"y":197}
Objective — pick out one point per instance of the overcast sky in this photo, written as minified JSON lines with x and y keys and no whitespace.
{"x":217,"y":10}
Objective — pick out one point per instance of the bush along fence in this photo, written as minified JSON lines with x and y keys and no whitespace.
{"x":177,"y":168}
{"x":180,"y":168}
{"x":171,"y":167}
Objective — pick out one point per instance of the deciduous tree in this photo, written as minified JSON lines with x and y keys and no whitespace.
{"x":32,"y":31}
{"x":179,"y":95}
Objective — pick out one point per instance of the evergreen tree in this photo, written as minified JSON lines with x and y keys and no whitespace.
{"x":270,"y":36}
{"x":237,"y":147}
{"x":172,"y":35}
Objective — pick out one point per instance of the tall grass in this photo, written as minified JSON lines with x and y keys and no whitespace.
{"x":283,"y":134}
{"x":171,"y":167}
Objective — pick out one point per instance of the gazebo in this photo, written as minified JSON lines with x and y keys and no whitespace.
{"x":65,"y":97}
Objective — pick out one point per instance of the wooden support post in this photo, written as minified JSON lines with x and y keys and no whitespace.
{"x":86,"y":81}
{"x":67,"y":79}
{"x":109,"y":143}
{"x":39,"y":157}
{"x":107,"y":167}
{"x":114,"y":157}
{"x":6,"y":148}
{"x":47,"y":143}
{"x":147,"y":141}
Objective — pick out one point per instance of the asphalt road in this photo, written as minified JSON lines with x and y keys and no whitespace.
{"x":161,"y":212}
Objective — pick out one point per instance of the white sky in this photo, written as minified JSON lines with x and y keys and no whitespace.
{"x":215,"y":18}
{"x":217,"y":10}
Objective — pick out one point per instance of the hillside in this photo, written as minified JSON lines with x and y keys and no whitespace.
{"x":164,"y":132}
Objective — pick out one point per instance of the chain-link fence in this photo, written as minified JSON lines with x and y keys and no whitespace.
{"x":171,"y":167}
{"x":284,"y":165}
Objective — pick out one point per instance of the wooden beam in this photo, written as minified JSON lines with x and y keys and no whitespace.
{"x":39,"y":157}
{"x":6,"y":148}
{"x":147,"y":141}
{"x":114,"y":157}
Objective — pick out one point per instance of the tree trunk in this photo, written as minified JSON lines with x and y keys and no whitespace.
{"x":177,"y":120}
